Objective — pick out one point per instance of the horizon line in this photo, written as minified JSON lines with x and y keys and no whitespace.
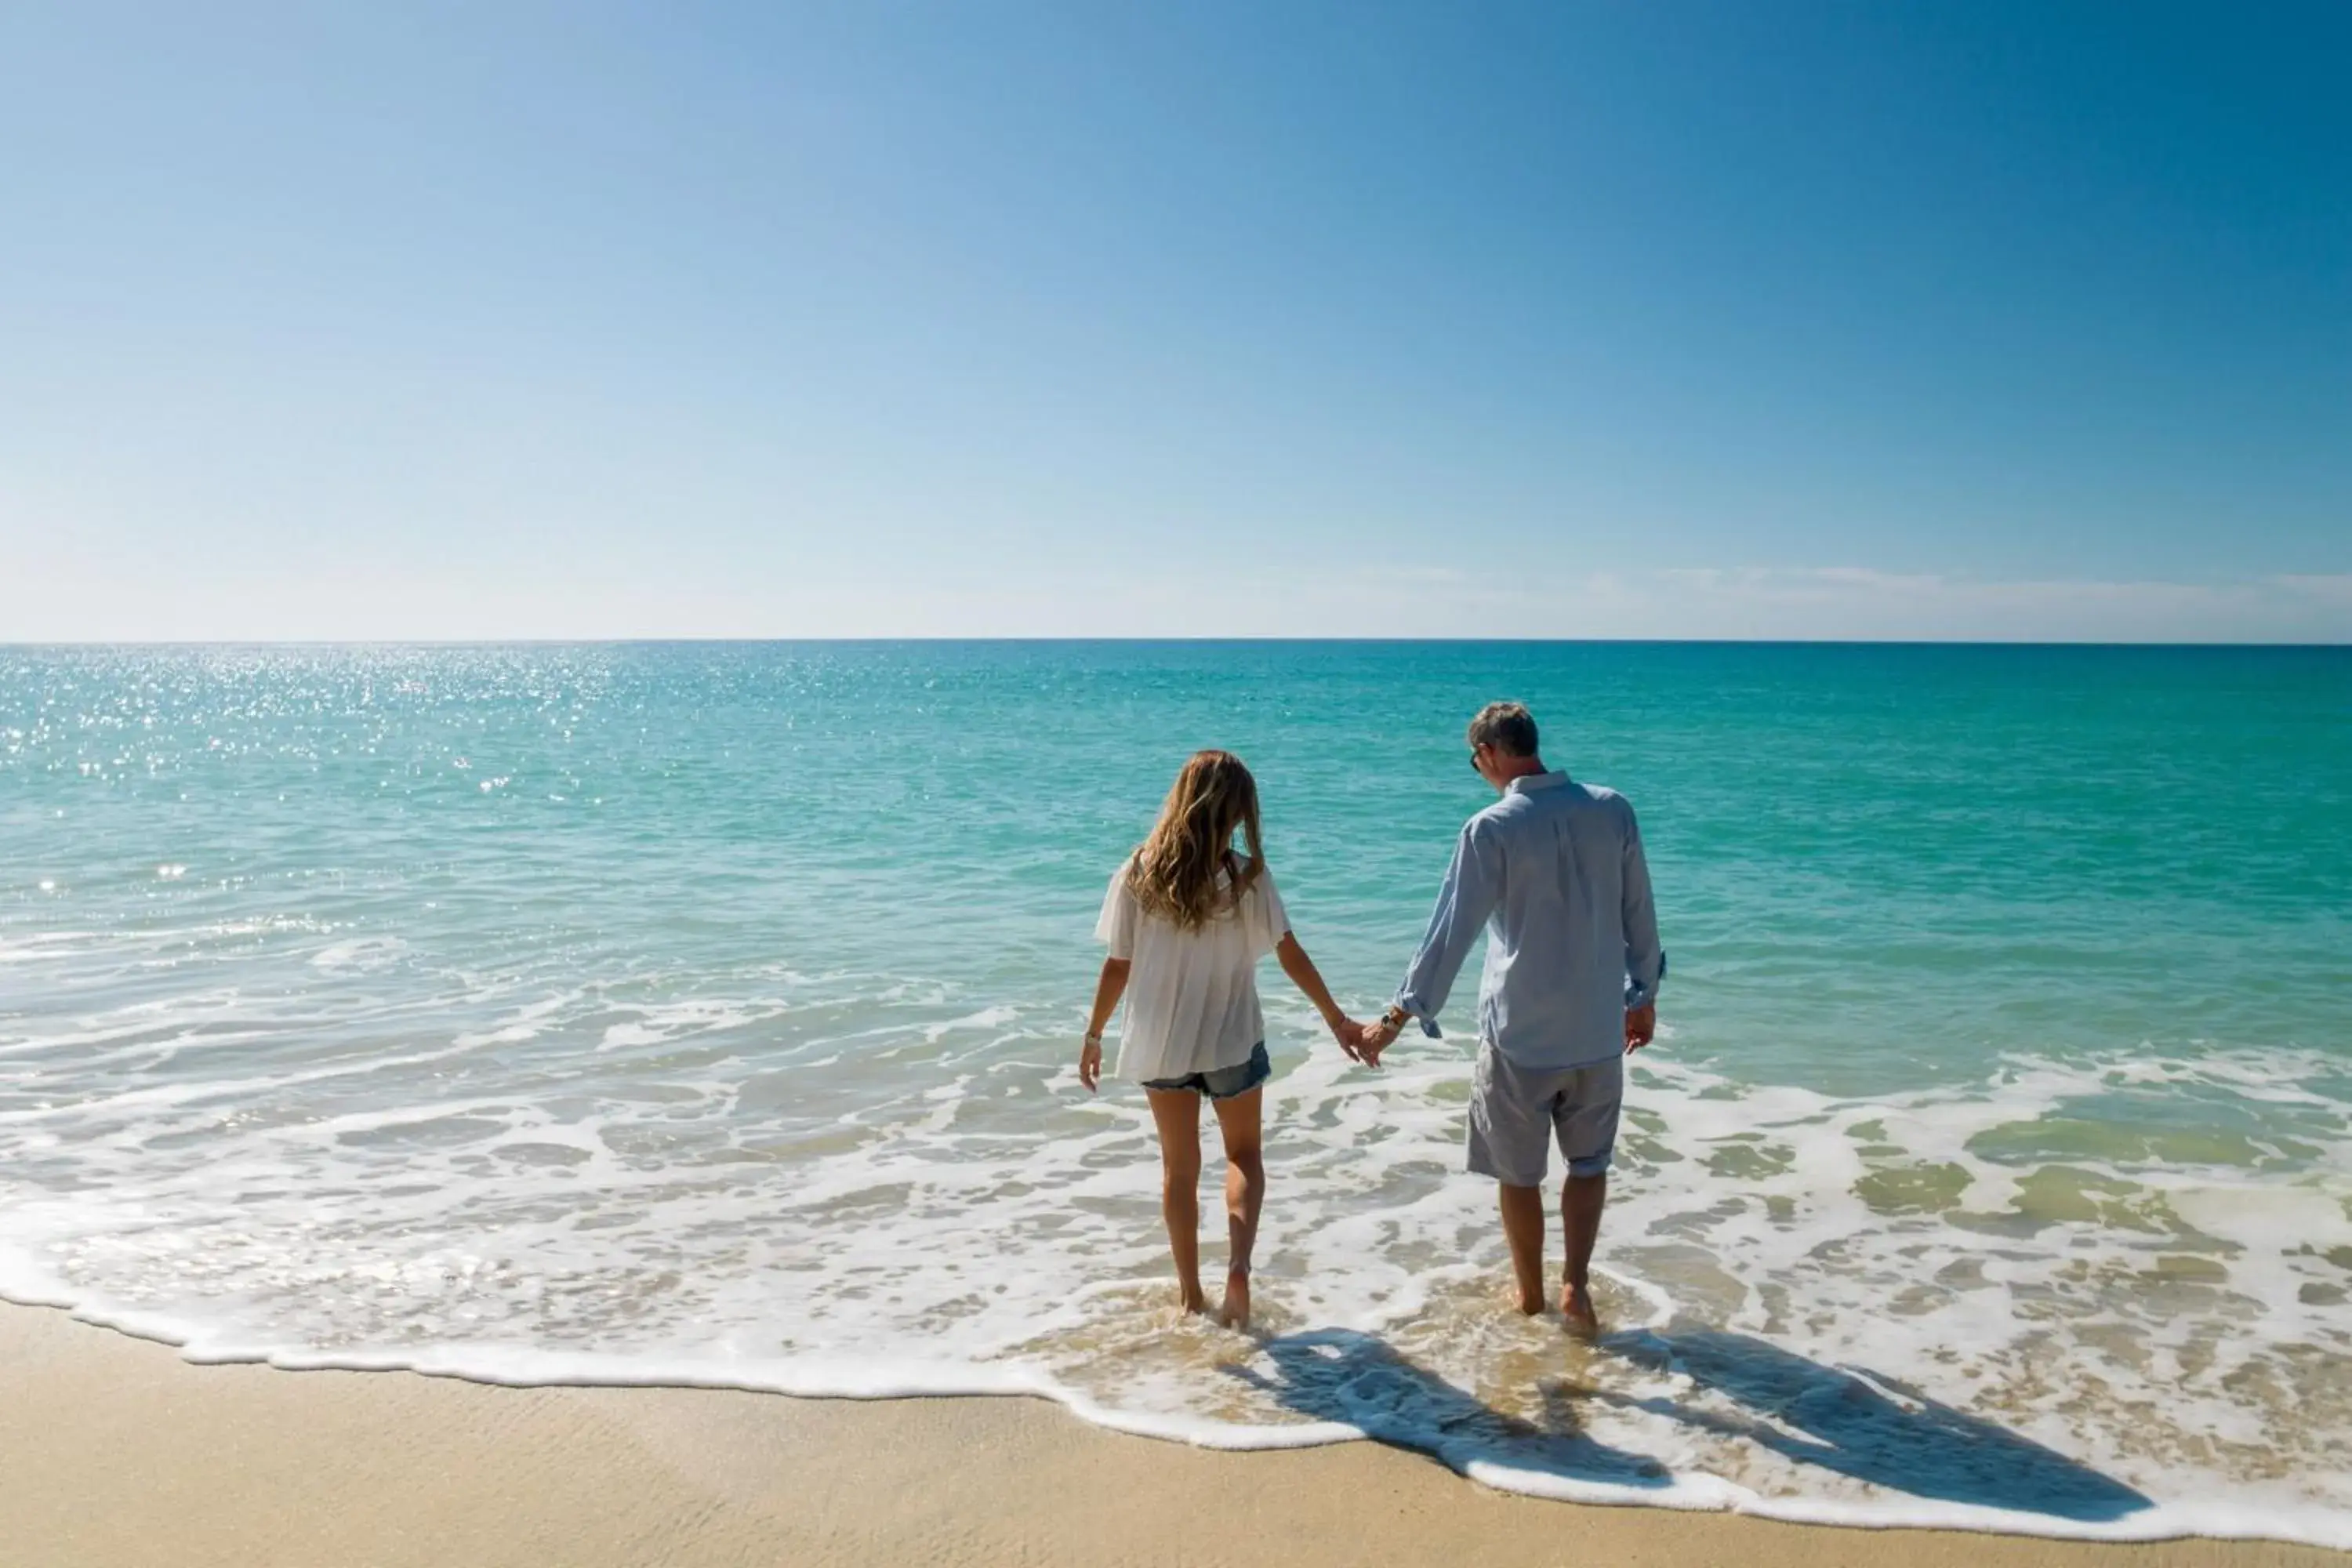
{"x":1229,"y":639}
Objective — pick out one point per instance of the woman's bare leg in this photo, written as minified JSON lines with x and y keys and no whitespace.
{"x":1238,"y":1122}
{"x":1178,"y":1113}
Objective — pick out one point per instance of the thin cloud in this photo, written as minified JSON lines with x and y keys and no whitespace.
{"x":2328,"y":589}
{"x":1831,"y":603}
{"x":1836,"y":603}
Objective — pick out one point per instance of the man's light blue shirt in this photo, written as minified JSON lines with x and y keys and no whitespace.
{"x":1553,"y":872}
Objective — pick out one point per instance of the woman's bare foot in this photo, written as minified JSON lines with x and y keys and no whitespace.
{"x":1236,"y":1314}
{"x":1193,"y":1299}
{"x":1531,"y":1305}
{"x":1577,"y":1312}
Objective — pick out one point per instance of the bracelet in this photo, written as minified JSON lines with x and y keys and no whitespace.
{"x":1094,"y":1036}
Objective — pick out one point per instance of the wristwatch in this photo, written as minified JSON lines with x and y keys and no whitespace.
{"x":1396,"y":1017}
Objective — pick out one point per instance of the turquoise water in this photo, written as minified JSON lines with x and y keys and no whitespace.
{"x":706,"y":1012}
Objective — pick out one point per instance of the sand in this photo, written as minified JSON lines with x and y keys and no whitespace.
{"x":114,"y":1451}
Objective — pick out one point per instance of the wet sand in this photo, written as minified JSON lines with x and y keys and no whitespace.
{"x":114,"y":1451}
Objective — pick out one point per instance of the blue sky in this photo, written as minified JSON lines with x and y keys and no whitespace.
{"x":1996,"y":320}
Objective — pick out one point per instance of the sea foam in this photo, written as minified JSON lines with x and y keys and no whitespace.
{"x":1884,"y":1311}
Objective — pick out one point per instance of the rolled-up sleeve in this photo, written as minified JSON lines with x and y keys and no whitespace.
{"x":1646,"y":960}
{"x":1473,"y":883}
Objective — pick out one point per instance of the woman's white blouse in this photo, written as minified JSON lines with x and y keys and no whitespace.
{"x":1191,"y":996}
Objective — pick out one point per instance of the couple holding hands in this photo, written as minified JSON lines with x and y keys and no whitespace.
{"x":1552,"y":871}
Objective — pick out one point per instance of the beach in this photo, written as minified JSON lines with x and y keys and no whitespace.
{"x":703,"y":705}
{"x":113,"y":1451}
{"x":600,"y":1015}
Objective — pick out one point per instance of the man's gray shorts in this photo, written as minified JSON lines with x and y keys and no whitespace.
{"x":1516,"y":1111}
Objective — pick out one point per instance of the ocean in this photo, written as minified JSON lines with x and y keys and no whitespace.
{"x":708,"y":1014}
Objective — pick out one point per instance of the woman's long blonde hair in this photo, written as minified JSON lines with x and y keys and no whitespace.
{"x":1175,"y":873}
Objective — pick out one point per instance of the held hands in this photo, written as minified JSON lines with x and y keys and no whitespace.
{"x":1371,"y":1040}
{"x":1361,"y":1042}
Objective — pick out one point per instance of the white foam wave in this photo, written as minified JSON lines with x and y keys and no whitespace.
{"x":1908,"y":1309}
{"x":906,"y":1377}
{"x":361,"y":955}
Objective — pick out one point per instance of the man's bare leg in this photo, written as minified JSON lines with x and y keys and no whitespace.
{"x":1178,"y":1113}
{"x":1523,"y":1227}
{"x":1238,"y":1120}
{"x":1580,"y":1201}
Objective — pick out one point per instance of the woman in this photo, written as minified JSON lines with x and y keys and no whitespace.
{"x":1187,"y":918}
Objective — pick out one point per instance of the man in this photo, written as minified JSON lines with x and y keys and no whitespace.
{"x":1553,"y":872}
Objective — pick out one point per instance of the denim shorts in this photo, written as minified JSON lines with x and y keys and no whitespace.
{"x":1223,"y":1083}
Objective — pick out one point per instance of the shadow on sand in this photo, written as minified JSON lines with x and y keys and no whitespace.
{"x":1336,"y":1375}
{"x":1859,"y":1424}
{"x":1866,"y":1425}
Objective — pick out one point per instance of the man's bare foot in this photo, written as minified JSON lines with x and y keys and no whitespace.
{"x":1532,"y":1306}
{"x":1577,"y":1312}
{"x":1194,"y":1301}
{"x":1236,"y":1314}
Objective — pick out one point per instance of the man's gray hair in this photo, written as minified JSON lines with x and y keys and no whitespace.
{"x":1507,"y":727}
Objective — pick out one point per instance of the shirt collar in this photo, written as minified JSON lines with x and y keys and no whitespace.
{"x":1527,"y":783}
